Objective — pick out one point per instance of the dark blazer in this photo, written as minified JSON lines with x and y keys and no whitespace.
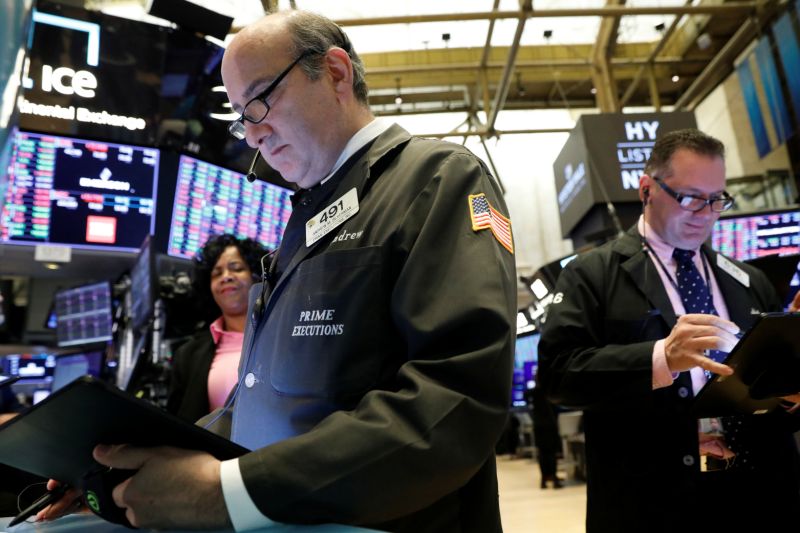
{"x":376,"y":381}
{"x":188,"y":391}
{"x":643,"y":471}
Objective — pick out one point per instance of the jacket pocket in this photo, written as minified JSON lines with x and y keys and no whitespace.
{"x":331,"y":326}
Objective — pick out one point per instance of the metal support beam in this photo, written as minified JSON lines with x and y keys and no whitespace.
{"x":728,"y":8}
{"x":505,"y":80}
{"x":722,"y":63}
{"x":656,"y":50}
{"x":482,"y":132}
{"x":652,"y":83}
{"x":483,"y":72}
{"x":532,"y":64}
{"x":603,"y":78}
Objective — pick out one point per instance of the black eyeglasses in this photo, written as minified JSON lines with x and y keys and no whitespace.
{"x":692,"y":203}
{"x":257,"y":108}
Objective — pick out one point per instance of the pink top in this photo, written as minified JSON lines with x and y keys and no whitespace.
{"x":662,"y":377}
{"x":224,"y":370}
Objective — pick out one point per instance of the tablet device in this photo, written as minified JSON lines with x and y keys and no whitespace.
{"x":7,"y":380}
{"x":766,"y":365}
{"x":54,"y":438}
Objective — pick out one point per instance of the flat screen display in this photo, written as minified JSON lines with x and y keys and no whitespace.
{"x":526,"y":359}
{"x":80,"y":193}
{"x":143,"y":286}
{"x":756,"y":235}
{"x":32,"y":369}
{"x":72,"y":366}
{"x":210,"y":200}
{"x":83,"y":314}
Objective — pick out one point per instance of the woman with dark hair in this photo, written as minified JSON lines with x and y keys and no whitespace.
{"x":204,"y":369}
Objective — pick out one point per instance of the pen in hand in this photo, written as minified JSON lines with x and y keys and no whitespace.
{"x":51,"y":496}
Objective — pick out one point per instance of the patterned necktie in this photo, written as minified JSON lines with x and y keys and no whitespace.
{"x":694,"y":291}
{"x":696,"y":296}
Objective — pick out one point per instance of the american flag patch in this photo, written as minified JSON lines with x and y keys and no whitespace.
{"x":484,"y":216}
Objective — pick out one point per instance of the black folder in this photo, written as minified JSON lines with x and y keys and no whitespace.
{"x":7,"y":380}
{"x":54,"y":438}
{"x":766,"y":364}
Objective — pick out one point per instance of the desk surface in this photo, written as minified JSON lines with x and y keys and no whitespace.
{"x":87,"y":523}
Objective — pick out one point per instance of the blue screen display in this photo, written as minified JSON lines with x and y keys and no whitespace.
{"x":526,"y":359}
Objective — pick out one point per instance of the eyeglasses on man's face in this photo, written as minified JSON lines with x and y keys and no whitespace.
{"x":689,"y":202}
{"x":257,"y":108}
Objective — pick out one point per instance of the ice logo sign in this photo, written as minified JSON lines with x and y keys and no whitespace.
{"x":634,"y":151}
{"x":65,"y":80}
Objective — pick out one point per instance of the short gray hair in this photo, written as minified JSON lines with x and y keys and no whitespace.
{"x":314,"y":33}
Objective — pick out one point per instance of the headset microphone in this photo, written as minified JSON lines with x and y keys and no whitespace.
{"x":251,"y":174}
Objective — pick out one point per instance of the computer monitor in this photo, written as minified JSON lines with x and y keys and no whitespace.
{"x":83,"y":314}
{"x":143,"y":286}
{"x":526,"y":360}
{"x":79,"y":193}
{"x":210,"y":200}
{"x":35,"y":372}
{"x":748,"y":236}
{"x":70,"y":367}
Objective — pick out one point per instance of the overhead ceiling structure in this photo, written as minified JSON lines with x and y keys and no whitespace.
{"x":484,"y":56}
{"x":692,"y":52}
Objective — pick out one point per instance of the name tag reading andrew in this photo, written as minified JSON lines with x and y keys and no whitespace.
{"x":331,"y":217}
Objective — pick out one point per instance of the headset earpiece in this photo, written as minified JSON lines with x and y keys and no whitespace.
{"x":646,"y":194}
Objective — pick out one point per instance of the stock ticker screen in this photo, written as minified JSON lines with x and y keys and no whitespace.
{"x":83,"y":314}
{"x":210,"y":200}
{"x":756,"y":235}
{"x":80,"y":193}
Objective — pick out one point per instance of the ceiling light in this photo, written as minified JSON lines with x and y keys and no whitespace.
{"x":51,"y":266}
{"x":398,"y":99}
{"x":675,"y":78}
{"x":593,"y":90}
{"x":703,"y":41}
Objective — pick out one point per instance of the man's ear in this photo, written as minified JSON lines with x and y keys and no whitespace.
{"x":644,"y":188}
{"x":340,"y":69}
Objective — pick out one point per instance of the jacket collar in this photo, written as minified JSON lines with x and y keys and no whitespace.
{"x":741,"y":297}
{"x":644,"y":274}
{"x":360,"y":175}
{"x":646,"y":277}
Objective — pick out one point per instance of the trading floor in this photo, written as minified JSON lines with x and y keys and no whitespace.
{"x":526,"y":508}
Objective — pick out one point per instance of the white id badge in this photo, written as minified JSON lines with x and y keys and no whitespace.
{"x":332,"y":216}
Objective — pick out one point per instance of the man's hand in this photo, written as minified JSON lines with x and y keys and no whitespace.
{"x":173,"y":488}
{"x":693,"y":334}
{"x":795,"y":305}
{"x":5,"y":417}
{"x":70,"y":502}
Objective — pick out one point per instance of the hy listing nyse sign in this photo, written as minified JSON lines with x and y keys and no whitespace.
{"x":634,"y":151}
{"x":70,"y":82}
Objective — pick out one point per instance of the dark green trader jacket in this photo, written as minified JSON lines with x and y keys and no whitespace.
{"x":376,"y":382}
